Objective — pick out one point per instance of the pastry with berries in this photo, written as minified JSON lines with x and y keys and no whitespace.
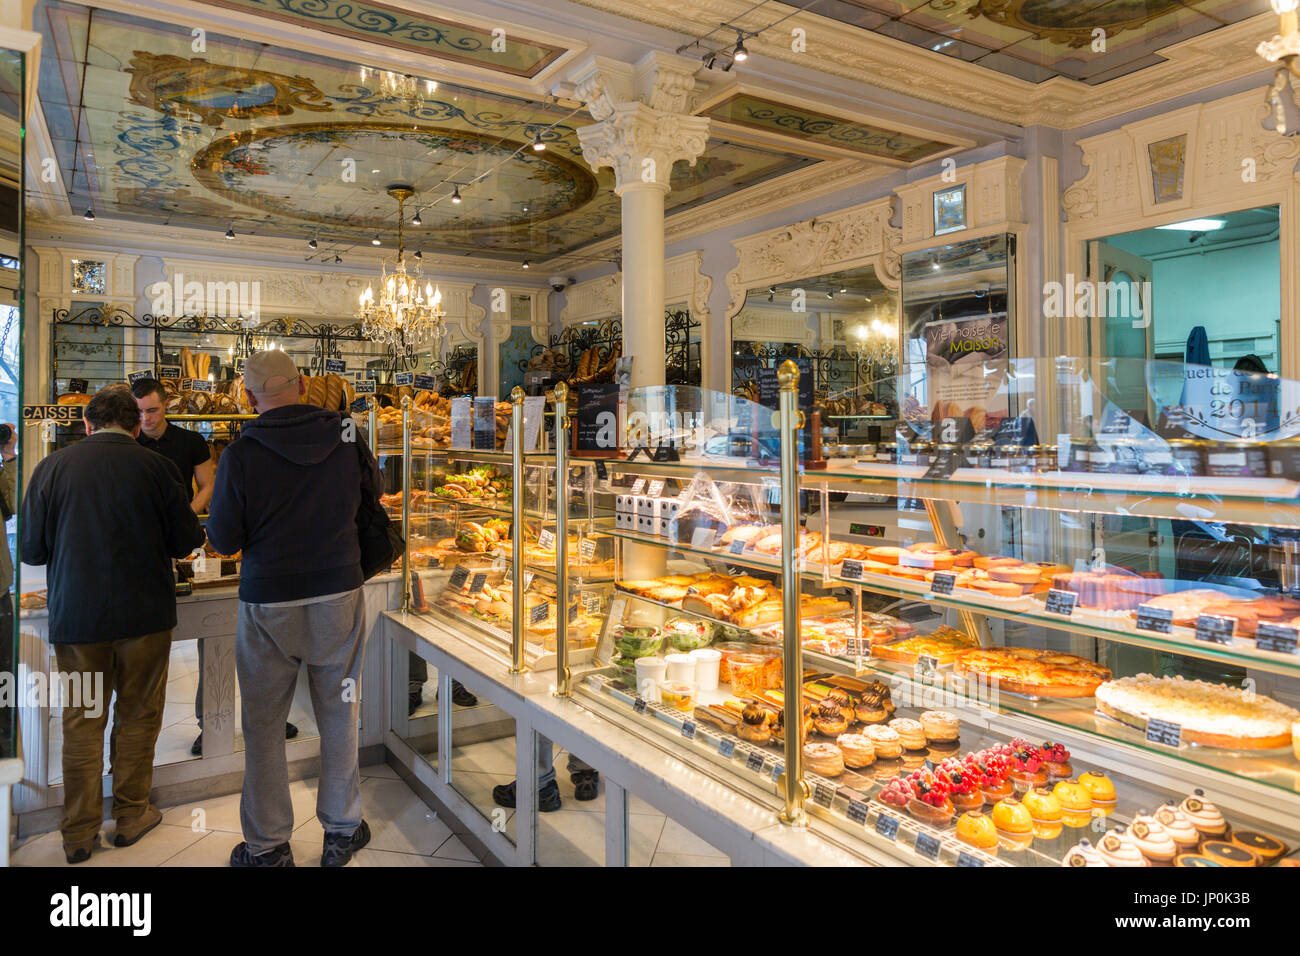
{"x":896,"y":793}
{"x":929,"y":803}
{"x":963,"y":786}
{"x":990,"y":771}
{"x":1027,"y":770}
{"x":1056,"y":761}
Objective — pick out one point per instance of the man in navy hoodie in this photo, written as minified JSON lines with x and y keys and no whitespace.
{"x":287,"y":493}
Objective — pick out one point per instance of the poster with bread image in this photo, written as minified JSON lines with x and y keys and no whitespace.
{"x":966,"y":370}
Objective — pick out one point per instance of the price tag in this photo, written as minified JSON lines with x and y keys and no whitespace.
{"x":927,"y":846}
{"x":1276,"y":637}
{"x":403,"y":378}
{"x":78,"y":385}
{"x":591,"y":603}
{"x":336,"y":366}
{"x":965,"y":859}
{"x":726,"y":746}
{"x":638,"y":486}
{"x":656,"y":488}
{"x":737,"y":546}
{"x":851,"y":645}
{"x":202,"y":385}
{"x":546,"y":540}
{"x":754,"y":762}
{"x":851,"y":570}
{"x":638,"y":705}
{"x":777,"y":770}
{"x":142,"y":373}
{"x":943,"y":582}
{"x":1157,"y":619}
{"x":477,"y":581}
{"x":364,"y":386}
{"x":857,"y":811}
{"x":459,"y":577}
{"x":239,"y":363}
{"x":539,"y":613}
{"x":926,"y":665}
{"x":1215,"y":629}
{"x":1164,"y":732}
{"x":688,"y":729}
{"x":174,"y":371}
{"x":823,"y":795}
{"x":426,"y":383}
{"x":1061,"y":602}
{"x":887,"y":826}
{"x":602,"y":472}
{"x":702,"y":538}
{"x":587,"y":549}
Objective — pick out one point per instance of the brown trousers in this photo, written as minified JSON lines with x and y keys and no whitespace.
{"x":136,"y":669}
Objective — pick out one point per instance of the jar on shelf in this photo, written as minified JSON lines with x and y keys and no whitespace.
{"x":887,"y":453}
{"x":979,"y":453}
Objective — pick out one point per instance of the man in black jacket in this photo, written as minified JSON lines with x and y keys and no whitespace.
{"x":287,"y":495}
{"x":108,"y":516}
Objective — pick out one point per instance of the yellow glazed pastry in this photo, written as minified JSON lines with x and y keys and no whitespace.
{"x":1076,"y":802}
{"x":978,"y":830}
{"x":1102,"y":789}
{"x":1014,"y":824}
{"x":1046,"y":812}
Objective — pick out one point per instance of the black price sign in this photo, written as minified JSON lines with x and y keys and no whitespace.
{"x":851,"y":570}
{"x":823,"y":795}
{"x":887,"y":826}
{"x":1215,"y":629}
{"x":426,"y":382}
{"x":944,"y":465}
{"x":1277,"y":638}
{"x":738,"y":546}
{"x":1061,"y":602}
{"x":754,"y":761}
{"x":688,"y":729}
{"x":142,"y":373}
{"x":336,"y":366}
{"x":601,"y":472}
{"x":539,"y":613}
{"x":927,"y":846}
{"x":943,"y":582}
{"x":202,"y":385}
{"x":857,"y":811}
{"x":851,"y":646}
{"x":403,"y":378}
{"x":965,"y":859}
{"x":459,"y":577}
{"x":78,"y":385}
{"x":174,"y":371}
{"x":726,"y":746}
{"x":596,"y":416}
{"x":638,"y":705}
{"x":476,"y":583}
{"x":239,"y":364}
{"x":364,"y":386}
{"x":1164,"y":732}
{"x":1157,"y":619}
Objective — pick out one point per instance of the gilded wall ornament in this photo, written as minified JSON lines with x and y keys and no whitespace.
{"x":211,"y":93}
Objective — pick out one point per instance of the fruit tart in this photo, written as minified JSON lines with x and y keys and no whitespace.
{"x":963,"y":786}
{"x":990,"y":771}
{"x":896,"y":793}
{"x":929,"y":803}
{"x":1056,"y":761}
{"x":1027,"y":770}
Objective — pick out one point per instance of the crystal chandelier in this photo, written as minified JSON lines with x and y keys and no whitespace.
{"x":403,"y":315}
{"x":401,"y":86}
{"x":1283,"y":50}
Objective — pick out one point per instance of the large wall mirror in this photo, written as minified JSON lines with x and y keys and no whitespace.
{"x":841,"y":329}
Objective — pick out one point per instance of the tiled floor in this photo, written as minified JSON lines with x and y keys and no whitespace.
{"x":404,"y":832}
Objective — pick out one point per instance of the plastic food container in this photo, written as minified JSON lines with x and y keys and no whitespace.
{"x":728,"y":650}
{"x":688,"y":633}
{"x":749,"y":674}
{"x":681,"y":667}
{"x":677,"y":694}
{"x":633,"y":640}
{"x":706,"y":667}
{"x":773,"y":673}
{"x":650,"y":673}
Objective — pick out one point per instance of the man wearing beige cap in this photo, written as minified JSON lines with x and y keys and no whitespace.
{"x":287,"y":494}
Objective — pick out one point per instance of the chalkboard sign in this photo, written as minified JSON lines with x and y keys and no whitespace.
{"x":1164,"y":732}
{"x":823,"y":795}
{"x":945,"y":463}
{"x":78,"y":386}
{"x":1061,"y":602}
{"x":364,"y":386}
{"x":485,"y":424}
{"x":943,"y":582}
{"x":174,"y":371}
{"x":476,"y":582}
{"x":887,"y":826}
{"x":1276,"y":637}
{"x":539,"y":613}
{"x":927,"y":846}
{"x":601,"y":472}
{"x":857,"y":811}
{"x":1157,"y":619}
{"x":1215,"y":629}
{"x":239,"y":365}
{"x":136,"y":376}
{"x":851,"y":570}
{"x":596,"y":419}
{"x":202,"y":385}
{"x":403,"y":378}
{"x":336,"y":366}
{"x":426,"y":382}
{"x":459,"y":577}
{"x":769,"y":389}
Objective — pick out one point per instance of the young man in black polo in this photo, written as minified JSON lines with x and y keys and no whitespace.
{"x":189,"y":452}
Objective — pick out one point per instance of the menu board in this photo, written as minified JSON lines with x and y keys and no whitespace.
{"x":485,"y":424}
{"x":461,"y":423}
{"x":597,"y":417}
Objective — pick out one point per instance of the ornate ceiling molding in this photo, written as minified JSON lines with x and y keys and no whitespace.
{"x":1225,"y":54}
{"x":854,"y":237}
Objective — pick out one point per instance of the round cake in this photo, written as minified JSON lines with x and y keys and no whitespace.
{"x":1214,"y":715}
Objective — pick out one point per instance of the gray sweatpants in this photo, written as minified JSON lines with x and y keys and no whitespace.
{"x":271,"y":642}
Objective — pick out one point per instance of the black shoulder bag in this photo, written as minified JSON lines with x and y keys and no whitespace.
{"x":381,"y":541}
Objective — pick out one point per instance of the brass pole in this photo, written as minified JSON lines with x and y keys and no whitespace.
{"x":406,"y":502}
{"x":518,"y":664}
{"x":562,"y":423}
{"x":792,"y":782}
{"x":373,"y":426}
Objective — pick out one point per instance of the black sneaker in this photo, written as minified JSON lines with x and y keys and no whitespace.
{"x":548,"y":797}
{"x":340,"y":847}
{"x":196,"y":748}
{"x":277,"y":856}
{"x":413,"y":701}
{"x":461,"y":697}
{"x":290,"y":731}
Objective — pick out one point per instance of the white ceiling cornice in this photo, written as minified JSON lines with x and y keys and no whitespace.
{"x":1220,"y":56}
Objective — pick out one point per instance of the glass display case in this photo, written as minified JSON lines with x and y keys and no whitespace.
{"x":1048,"y":624}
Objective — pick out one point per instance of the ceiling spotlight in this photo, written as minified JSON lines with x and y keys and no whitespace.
{"x":935,"y":265}
{"x":311,"y":243}
{"x":336,"y":258}
{"x":375,"y":241}
{"x":772,"y":289}
{"x":455,"y":195}
{"x":525,"y":265}
{"x":740,"y":54}
{"x":525,"y":209}
{"x":90,"y":215}
{"x":843,"y":290}
{"x":417,"y":221}
{"x":709,"y":60}
{"x":230,"y":233}
{"x":419,"y":256}
{"x":538,"y":145}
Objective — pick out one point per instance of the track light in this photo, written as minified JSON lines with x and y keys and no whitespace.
{"x":375,"y":241}
{"x":740,"y":54}
{"x":538,"y":145}
{"x":525,"y":265}
{"x":455,"y":195}
{"x":311,"y":244}
{"x":90,"y":215}
{"x":230,"y":233}
{"x":843,"y":290}
{"x":830,"y":295}
{"x":336,"y":258}
{"x":417,"y":221}
{"x":419,"y":256}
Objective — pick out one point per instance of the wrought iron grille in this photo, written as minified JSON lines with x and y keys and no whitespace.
{"x":681,"y":348}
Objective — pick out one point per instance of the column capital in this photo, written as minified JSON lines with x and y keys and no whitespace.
{"x":644,"y":124}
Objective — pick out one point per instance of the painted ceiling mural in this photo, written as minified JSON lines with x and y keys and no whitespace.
{"x":1036,"y":40}
{"x":280,"y":143}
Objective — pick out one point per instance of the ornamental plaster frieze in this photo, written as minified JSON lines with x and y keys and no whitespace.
{"x":854,"y":237}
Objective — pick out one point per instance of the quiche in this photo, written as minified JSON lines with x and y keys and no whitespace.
{"x":1023,"y":670}
{"x":942,"y":645}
